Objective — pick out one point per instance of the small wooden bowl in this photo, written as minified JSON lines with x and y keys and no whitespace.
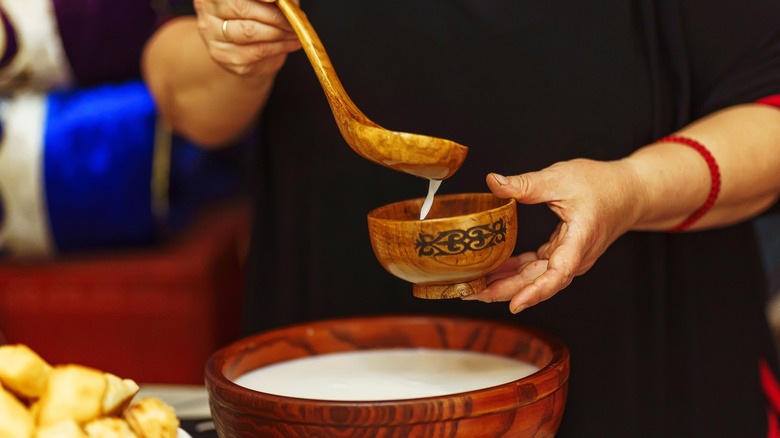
{"x":448,"y":254}
{"x":529,"y":407}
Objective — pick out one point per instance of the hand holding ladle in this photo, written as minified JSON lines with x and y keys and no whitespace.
{"x":420,"y":155}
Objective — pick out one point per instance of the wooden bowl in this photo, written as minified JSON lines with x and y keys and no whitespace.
{"x":528,"y":407}
{"x":448,"y":254}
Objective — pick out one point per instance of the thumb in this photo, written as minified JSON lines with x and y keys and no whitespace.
{"x":524,"y":188}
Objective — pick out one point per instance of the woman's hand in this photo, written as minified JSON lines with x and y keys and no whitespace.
{"x":246,"y":37}
{"x":211,"y":75}
{"x":596,"y":202}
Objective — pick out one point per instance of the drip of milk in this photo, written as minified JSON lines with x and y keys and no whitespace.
{"x":433,"y":186}
{"x":385,"y":374}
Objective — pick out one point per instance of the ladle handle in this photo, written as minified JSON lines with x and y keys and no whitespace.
{"x":312,"y":45}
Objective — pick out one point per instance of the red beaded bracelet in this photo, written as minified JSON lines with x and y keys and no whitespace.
{"x":714,"y":174}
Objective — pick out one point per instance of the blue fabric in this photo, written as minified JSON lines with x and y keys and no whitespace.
{"x":97,"y":166}
{"x":98,"y":152}
{"x":202,"y":177}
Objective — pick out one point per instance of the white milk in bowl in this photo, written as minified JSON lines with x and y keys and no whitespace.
{"x":371,"y":375}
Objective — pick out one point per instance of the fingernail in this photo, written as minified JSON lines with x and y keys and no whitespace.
{"x":517,"y":309}
{"x":501,"y":179}
{"x":472,"y":297}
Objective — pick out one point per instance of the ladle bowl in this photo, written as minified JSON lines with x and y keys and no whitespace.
{"x":448,"y":254}
{"x":420,"y":155}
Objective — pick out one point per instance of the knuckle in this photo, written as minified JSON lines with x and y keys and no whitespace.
{"x":543,"y":251}
{"x":229,"y":62}
{"x":538,"y":297}
{"x":522,"y":184}
{"x":199,"y":5}
{"x":487,"y":298}
{"x":219,"y":56}
{"x":261,"y":51}
{"x":566,"y":277}
{"x":241,"y":69}
{"x":240,"y":8}
{"x":247,"y":30}
{"x":202,"y":26}
{"x":277,"y":17}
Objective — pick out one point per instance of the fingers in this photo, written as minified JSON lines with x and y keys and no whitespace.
{"x":556,"y":239}
{"x":532,"y":277}
{"x":261,"y":58}
{"x":524,"y":188}
{"x":502,"y":186}
{"x":262,"y":12}
{"x":263,"y":23}
{"x":564,"y":255}
{"x":511,"y":266}
{"x":253,"y":58}
{"x":543,"y":287}
{"x":246,"y":37}
{"x":242,"y":21}
{"x":504,"y":286}
{"x":536,"y":282}
{"x":589,"y":197}
{"x":242,"y":32}
{"x":563,"y":264}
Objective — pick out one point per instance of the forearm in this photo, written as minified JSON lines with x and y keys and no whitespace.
{"x":674,"y":180}
{"x":194,"y":95}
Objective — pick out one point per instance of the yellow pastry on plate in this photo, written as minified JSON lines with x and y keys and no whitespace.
{"x":15,"y":419}
{"x":23,"y":371}
{"x":152,"y":418}
{"x":72,"y":392}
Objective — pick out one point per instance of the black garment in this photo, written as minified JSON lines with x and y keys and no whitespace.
{"x":666,"y":329}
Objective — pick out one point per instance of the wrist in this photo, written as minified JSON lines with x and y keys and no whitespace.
{"x":673,"y":181}
{"x":712,"y":165}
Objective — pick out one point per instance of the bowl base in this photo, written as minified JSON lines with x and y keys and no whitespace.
{"x":452,"y":290}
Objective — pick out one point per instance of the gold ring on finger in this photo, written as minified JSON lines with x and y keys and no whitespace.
{"x":224,"y":30}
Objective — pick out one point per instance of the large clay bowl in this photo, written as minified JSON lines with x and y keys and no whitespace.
{"x":447,"y":255}
{"x":528,"y":407}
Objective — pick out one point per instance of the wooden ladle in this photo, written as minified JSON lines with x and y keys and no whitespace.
{"x":420,"y":155}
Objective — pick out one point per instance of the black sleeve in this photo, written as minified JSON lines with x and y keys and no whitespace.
{"x":734,"y":51}
{"x":173,"y":8}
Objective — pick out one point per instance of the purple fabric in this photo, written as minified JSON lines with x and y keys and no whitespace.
{"x":103,"y":39}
